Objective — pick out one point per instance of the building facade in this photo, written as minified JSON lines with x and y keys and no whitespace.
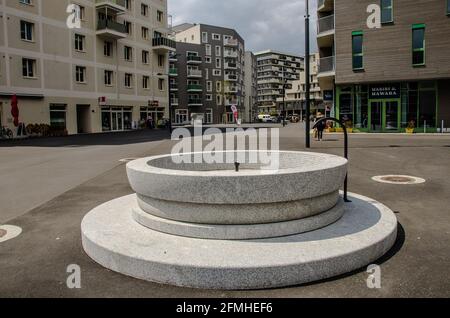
{"x":105,"y":76}
{"x":295,"y":96}
{"x":251,"y":88}
{"x":210,"y":64}
{"x":390,"y":78}
{"x":274,"y":68}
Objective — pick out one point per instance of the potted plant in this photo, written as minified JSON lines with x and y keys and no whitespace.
{"x":411,"y":127}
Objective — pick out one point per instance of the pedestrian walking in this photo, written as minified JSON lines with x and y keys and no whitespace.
{"x":320,"y":126}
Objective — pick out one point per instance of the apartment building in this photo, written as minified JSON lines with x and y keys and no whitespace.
{"x":251,"y":88}
{"x":209,"y":79}
{"x":389,"y":78}
{"x":274,"y":69}
{"x":295,"y":97}
{"x":105,"y":76}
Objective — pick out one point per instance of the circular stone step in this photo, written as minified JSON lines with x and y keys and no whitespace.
{"x":238,"y":232}
{"x":113,"y":239}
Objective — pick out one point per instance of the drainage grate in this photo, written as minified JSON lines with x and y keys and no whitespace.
{"x":398,"y":179}
{"x":2,"y":233}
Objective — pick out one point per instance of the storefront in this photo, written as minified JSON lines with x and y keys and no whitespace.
{"x":391,"y":107}
{"x":117,"y":118}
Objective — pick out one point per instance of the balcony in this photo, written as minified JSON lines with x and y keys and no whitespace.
{"x":231,"y":89}
{"x":173,"y":87}
{"x":231,"y":102}
{"x":325,"y":5}
{"x":194,"y":88}
{"x":230,"y":54}
{"x":174,"y":101}
{"x":194,"y":73}
{"x":173,"y":72}
{"x":230,"y":77}
{"x":230,"y":66}
{"x":118,"y":6}
{"x":163,"y":45}
{"x":327,"y":67}
{"x":194,"y":59}
{"x":173,"y":57}
{"x":195,"y":102}
{"x":111,"y":30}
{"x":325,"y":31}
{"x":230,"y":42}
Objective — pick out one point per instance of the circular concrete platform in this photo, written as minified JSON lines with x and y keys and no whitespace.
{"x":113,"y":239}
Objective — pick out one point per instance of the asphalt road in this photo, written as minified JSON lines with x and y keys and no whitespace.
{"x":34,"y":264}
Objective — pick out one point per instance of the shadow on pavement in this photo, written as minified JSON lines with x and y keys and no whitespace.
{"x":106,"y":139}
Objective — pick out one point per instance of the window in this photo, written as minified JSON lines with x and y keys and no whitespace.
{"x":448,"y":7}
{"x":204,"y":37}
{"x":145,"y":82}
{"x":80,"y":74}
{"x":208,"y":59}
{"x":128,"y":4}
{"x":145,"y":57}
{"x":161,"y":84}
{"x":145,"y":33}
{"x":108,"y":48}
{"x":218,"y":50}
{"x":144,"y":10}
{"x":25,"y":2}
{"x":217,"y":72}
{"x":128,"y":27}
{"x":209,"y":97}
{"x":58,"y":116}
{"x":218,"y":63}
{"x":161,"y":60}
{"x":28,"y":68}
{"x":26,"y":30}
{"x":128,"y":53}
{"x":82,"y":12}
{"x":128,"y":80}
{"x":79,"y":42}
{"x":209,"y":116}
{"x":159,"y":16}
{"x":216,"y":37}
{"x":387,"y":14}
{"x":418,"y":44}
{"x":357,"y":50}
{"x":208,"y":49}
{"x":109,"y":78}
{"x":209,"y":86}
{"x":218,"y":86}
{"x":219,"y":99}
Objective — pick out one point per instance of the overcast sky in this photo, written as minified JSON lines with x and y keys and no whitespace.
{"x":264,"y":24}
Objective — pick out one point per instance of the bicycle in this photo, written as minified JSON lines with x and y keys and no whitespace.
{"x":6,"y":133}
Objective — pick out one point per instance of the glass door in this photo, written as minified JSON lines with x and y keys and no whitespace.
{"x":376,"y":116}
{"x":392,"y":115}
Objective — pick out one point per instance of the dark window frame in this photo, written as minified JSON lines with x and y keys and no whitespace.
{"x":391,"y":8}
{"x":354,"y":35}
{"x":416,"y":27}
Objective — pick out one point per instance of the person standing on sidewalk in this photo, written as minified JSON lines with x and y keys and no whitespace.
{"x":320,"y":127}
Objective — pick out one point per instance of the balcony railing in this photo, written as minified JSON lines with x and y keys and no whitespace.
{"x":163,"y":42}
{"x":173,"y":71}
{"x":325,"y":24}
{"x":174,"y":101}
{"x":194,"y":73}
{"x":111,"y":25}
{"x":230,"y":66}
{"x":230,"y":42}
{"x":231,"y":89}
{"x":173,"y":87}
{"x":230,"y":102}
{"x":194,"y":87}
{"x":194,"y":59}
{"x":230,"y":54}
{"x":327,"y":64}
{"x":230,"y":77}
{"x":195,"y":101}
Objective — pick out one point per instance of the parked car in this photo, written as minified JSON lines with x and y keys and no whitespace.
{"x":265,"y":118}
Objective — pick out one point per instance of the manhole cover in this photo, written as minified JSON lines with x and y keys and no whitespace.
{"x":8,"y":232}
{"x":397,"y":179}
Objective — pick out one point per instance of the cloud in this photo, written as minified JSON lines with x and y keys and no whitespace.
{"x":264,"y":24}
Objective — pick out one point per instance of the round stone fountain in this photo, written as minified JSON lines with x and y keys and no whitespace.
{"x":238,"y":226}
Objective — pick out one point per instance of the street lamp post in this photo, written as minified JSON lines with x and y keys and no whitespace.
{"x":170,"y":101}
{"x":284,"y":94}
{"x":307,"y":78}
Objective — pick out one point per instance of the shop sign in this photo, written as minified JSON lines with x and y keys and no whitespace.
{"x":384,"y":91}
{"x":328,"y":95}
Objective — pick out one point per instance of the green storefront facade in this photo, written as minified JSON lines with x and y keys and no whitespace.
{"x":389,"y":107}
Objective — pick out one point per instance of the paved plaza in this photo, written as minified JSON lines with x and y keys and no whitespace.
{"x":48,"y":186}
